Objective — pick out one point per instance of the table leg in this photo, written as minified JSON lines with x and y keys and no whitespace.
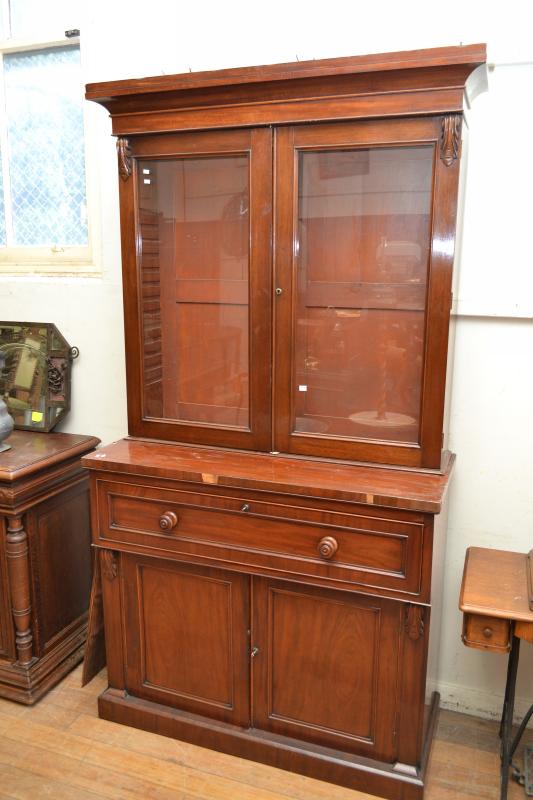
{"x":520,"y":731}
{"x":506,"y":727}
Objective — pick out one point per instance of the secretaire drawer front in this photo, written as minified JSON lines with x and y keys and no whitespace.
{"x":287,"y":538}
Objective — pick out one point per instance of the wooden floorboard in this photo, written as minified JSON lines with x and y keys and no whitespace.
{"x":61,"y":749}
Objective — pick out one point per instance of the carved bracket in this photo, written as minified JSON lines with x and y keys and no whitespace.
{"x":6,"y":497}
{"x":109,"y":564}
{"x":414,"y":623}
{"x":451,"y":137}
{"x":124,"y":158}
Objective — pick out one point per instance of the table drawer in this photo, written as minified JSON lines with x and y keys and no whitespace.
{"x":487,"y":633}
{"x":283,"y":538}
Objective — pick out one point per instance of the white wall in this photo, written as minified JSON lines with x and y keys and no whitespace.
{"x":491,"y":431}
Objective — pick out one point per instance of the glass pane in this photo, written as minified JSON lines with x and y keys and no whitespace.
{"x":38,"y":18}
{"x":194,"y":226}
{"x":364,"y":238}
{"x":44,"y":96}
{"x":2,"y":206}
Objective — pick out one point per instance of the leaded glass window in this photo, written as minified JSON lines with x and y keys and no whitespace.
{"x":43,"y":198}
{"x":45,"y":148}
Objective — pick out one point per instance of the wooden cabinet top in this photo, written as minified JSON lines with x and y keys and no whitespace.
{"x":465,"y":55}
{"x":384,"y":84}
{"x":32,"y":452}
{"x":495,"y":583}
{"x":378,"y":486}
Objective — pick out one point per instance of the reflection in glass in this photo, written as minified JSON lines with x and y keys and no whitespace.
{"x":194,"y":227}
{"x":363,"y":252}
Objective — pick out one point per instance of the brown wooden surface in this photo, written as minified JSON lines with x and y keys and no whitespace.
{"x":524,"y":630}
{"x":113,"y":617}
{"x":186,"y":307}
{"x":415,"y":491}
{"x":60,"y":748}
{"x":7,"y":628}
{"x":299,"y":732}
{"x":327,"y":764}
{"x":487,"y":633}
{"x":376,"y":62}
{"x":44,"y":561}
{"x":18,"y":571}
{"x":374,"y":551}
{"x":392,"y":84}
{"x":94,"y":657}
{"x":529,"y":570}
{"x":396,"y":84}
{"x":187,"y":637}
{"x":179,"y":524}
{"x":192,"y":375}
{"x":378,"y":347}
{"x":325,"y":668}
{"x":59,"y":538}
{"x":495,"y":584}
{"x":32,"y":452}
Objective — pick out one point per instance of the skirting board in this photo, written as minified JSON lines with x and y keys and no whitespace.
{"x":479,"y":703}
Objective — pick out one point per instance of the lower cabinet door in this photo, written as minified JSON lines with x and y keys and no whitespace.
{"x":187,"y":637}
{"x":325,"y":666}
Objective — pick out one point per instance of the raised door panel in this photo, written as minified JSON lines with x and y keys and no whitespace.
{"x":365,"y":290}
{"x":197,"y":271}
{"x":326,"y":667}
{"x":59,"y":534}
{"x":187,"y":637}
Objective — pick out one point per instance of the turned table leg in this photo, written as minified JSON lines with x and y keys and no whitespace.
{"x":19,"y":580}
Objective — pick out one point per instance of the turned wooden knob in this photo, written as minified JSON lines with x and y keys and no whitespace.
{"x":327,"y":547}
{"x":168,"y":520}
{"x":487,"y":632}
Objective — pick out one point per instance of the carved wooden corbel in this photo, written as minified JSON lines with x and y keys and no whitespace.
{"x":109,"y":564}
{"x":451,"y":137}
{"x":124,"y":158}
{"x":414,"y":624}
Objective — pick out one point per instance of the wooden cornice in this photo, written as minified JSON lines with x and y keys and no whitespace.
{"x":390,"y":84}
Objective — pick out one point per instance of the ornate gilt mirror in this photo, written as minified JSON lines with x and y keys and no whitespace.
{"x":35,"y":372}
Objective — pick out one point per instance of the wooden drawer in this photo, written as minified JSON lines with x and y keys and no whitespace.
{"x":261,"y":536}
{"x":487,"y":633}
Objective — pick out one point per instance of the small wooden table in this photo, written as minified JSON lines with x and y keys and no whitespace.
{"x":496,"y":601}
{"x":45,"y":560}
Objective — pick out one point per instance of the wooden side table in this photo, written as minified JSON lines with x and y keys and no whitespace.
{"x":497,"y":614}
{"x":45,"y":560}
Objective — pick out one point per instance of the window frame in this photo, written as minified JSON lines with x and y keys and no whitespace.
{"x":53,"y":260}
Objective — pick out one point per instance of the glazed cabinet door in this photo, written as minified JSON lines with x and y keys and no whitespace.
{"x":196,"y":243}
{"x":325,"y":668}
{"x":363,"y":261}
{"x":187,"y":637}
